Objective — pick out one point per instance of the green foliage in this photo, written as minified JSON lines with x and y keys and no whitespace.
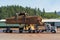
{"x":55,"y":12}
{"x":42,"y":14}
{"x":51,"y":15}
{"x":9,"y":11}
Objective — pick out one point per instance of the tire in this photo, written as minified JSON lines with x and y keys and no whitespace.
{"x":7,"y":31}
{"x":33,"y":31}
{"x":41,"y":31}
{"x":53,"y":31}
{"x":29,"y":31}
{"x":10,"y":31}
{"x":37,"y":31}
{"x":4,"y":31}
{"x":20,"y":31}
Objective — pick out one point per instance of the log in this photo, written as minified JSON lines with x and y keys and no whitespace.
{"x":24,"y":20}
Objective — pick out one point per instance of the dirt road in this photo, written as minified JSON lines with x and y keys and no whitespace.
{"x":25,"y":36}
{"x":29,"y":36}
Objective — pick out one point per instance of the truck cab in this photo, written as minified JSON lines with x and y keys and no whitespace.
{"x":50,"y":27}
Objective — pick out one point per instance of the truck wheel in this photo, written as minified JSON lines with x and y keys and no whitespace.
{"x":29,"y":31}
{"x":20,"y":31}
{"x":4,"y":30}
{"x":33,"y":31}
{"x":37,"y":31}
{"x":41,"y":31}
{"x":53,"y":31}
{"x":10,"y":31}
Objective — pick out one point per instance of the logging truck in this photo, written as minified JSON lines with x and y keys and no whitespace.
{"x":31,"y":24}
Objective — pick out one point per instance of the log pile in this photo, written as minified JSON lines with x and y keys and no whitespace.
{"x":24,"y":20}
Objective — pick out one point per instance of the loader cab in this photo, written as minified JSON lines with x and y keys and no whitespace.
{"x":21,"y":13}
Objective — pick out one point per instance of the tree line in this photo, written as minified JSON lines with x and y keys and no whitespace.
{"x":9,"y":11}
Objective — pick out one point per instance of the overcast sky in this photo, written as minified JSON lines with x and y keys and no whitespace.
{"x":49,"y":5}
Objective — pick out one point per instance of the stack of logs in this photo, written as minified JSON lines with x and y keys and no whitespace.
{"x":24,"y":20}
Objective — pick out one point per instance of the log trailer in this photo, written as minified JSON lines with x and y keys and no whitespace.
{"x":30,"y":24}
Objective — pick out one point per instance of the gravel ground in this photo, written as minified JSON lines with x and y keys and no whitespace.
{"x":30,"y":36}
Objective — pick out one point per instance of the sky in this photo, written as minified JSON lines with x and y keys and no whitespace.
{"x":49,"y":5}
